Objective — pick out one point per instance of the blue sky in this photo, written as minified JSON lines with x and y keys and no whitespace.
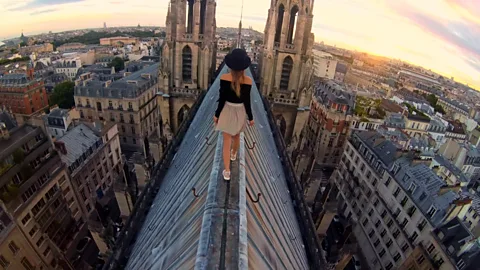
{"x":443,"y":35}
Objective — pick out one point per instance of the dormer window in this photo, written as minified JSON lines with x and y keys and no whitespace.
{"x":431,"y":211}
{"x":412,"y":188}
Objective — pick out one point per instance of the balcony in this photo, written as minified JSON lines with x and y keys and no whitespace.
{"x":88,"y":106}
{"x":276,"y":45}
{"x":130,"y":109}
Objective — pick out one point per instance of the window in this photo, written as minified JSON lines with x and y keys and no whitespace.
{"x":88,"y":207}
{"x":376,"y":243}
{"x":430,"y":248}
{"x":414,"y":236}
{"x":396,"y":257}
{"x":27,"y":264}
{"x":396,"y":233}
{"x":26,"y":218}
{"x":4,"y":262}
{"x":420,"y":259}
{"x":404,"y":200}
{"x":381,"y":253}
{"x":389,"y":243}
{"x":422,"y":225}
{"x":389,"y":266}
{"x":187,"y":64}
{"x":412,"y":188}
{"x":40,"y":241}
{"x":82,"y":193}
{"x":377,"y":223}
{"x":397,"y":191}
{"x":370,"y":234}
{"x":133,"y":131}
{"x":33,"y":230}
{"x":46,"y":252}
{"x":405,"y":222}
{"x":13,"y":247}
{"x":387,"y":183}
{"x":384,"y":213}
{"x":365,"y":221}
{"x":440,"y":262}
{"x":404,"y":247}
{"x":370,"y":212}
{"x":470,"y":209}
{"x":431,"y":211}
{"x":287,"y":67}
{"x":390,"y":222}
{"x":475,"y":215}
{"x":382,"y":234}
{"x":375,"y":203}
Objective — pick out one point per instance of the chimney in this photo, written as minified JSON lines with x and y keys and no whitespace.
{"x":126,"y":74}
{"x":4,"y":133}
{"x":60,"y":146}
{"x":107,"y":83}
{"x":30,"y":73}
{"x":444,"y":189}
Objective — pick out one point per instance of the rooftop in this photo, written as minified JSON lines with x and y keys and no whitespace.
{"x":220,"y":225}
{"x":16,"y":134}
{"x":442,"y":161}
{"x":77,"y":142}
{"x":14,"y":79}
{"x":130,"y":86}
{"x":331,"y":91}
{"x":58,"y":113}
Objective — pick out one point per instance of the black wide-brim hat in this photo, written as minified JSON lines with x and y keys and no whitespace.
{"x":238,"y":60}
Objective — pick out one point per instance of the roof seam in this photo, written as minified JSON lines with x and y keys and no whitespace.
{"x":242,"y":201}
{"x":201,"y":260}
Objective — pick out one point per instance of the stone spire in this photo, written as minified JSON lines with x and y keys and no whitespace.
{"x":239,"y":39}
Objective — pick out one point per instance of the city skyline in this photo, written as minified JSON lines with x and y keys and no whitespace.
{"x":438,"y":35}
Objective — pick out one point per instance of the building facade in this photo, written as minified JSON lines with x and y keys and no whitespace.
{"x":188,"y":57}
{"x":37,"y":195}
{"x":131,"y":102}
{"x":287,"y":64}
{"x":22,"y":94}
{"x":69,"y":67}
{"x":91,"y":152}
{"x":397,"y":204}
{"x":325,"y":65}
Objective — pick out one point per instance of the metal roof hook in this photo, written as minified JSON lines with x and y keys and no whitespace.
{"x":258,"y":196}
{"x":248,"y":145}
{"x":194,"y":191}
{"x":207,"y":141}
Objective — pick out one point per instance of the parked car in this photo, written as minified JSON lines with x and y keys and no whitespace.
{"x":356,"y":262}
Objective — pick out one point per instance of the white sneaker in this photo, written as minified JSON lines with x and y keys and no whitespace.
{"x":226,"y":175}
{"x":233,"y":156}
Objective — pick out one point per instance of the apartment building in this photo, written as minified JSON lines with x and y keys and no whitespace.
{"x":91,"y":152}
{"x":324,"y":64}
{"x":397,"y":205}
{"x":328,"y":124}
{"x":68,"y":67}
{"x":15,"y":251}
{"x":323,"y":136}
{"x":58,"y":121}
{"x":131,"y":102}
{"x":36,"y":194}
{"x":22,"y":94}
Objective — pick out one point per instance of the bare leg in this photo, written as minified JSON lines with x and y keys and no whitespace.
{"x":227,"y":143}
{"x":236,"y":143}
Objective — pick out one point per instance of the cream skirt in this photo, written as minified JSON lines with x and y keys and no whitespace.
{"x":233,"y":118}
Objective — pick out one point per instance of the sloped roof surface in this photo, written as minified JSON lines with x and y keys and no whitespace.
{"x":222,"y":228}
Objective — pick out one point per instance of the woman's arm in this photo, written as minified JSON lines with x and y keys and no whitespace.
{"x":222,"y":99}
{"x":246,"y":102}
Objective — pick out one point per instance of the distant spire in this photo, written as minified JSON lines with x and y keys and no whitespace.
{"x":239,"y":40}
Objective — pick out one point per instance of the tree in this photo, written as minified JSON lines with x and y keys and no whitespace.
{"x":117,"y":63}
{"x":63,"y":95}
{"x":23,"y":44}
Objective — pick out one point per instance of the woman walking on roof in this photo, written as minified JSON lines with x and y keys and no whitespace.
{"x":233,"y":105}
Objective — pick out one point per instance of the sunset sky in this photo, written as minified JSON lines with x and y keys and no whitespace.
{"x":443,"y":35}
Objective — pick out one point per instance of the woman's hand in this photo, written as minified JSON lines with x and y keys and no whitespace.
{"x":215,"y":120}
{"x":251,"y":123}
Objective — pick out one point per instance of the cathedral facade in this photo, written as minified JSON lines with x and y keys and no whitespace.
{"x":188,"y":58}
{"x":287,"y":64}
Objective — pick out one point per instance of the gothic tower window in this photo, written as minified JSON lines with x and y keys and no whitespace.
{"x":286,"y":71}
{"x":203,"y":8}
{"x":278,"y":31}
{"x":190,"y":16}
{"x":293,"y":24}
{"x":187,"y":64}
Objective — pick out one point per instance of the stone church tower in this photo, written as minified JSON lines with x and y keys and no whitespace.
{"x":188,"y":58}
{"x":287,"y":64}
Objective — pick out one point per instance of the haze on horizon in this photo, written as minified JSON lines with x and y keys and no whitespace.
{"x":441,"y":35}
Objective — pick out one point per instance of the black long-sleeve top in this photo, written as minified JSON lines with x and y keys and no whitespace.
{"x":228,"y":94}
